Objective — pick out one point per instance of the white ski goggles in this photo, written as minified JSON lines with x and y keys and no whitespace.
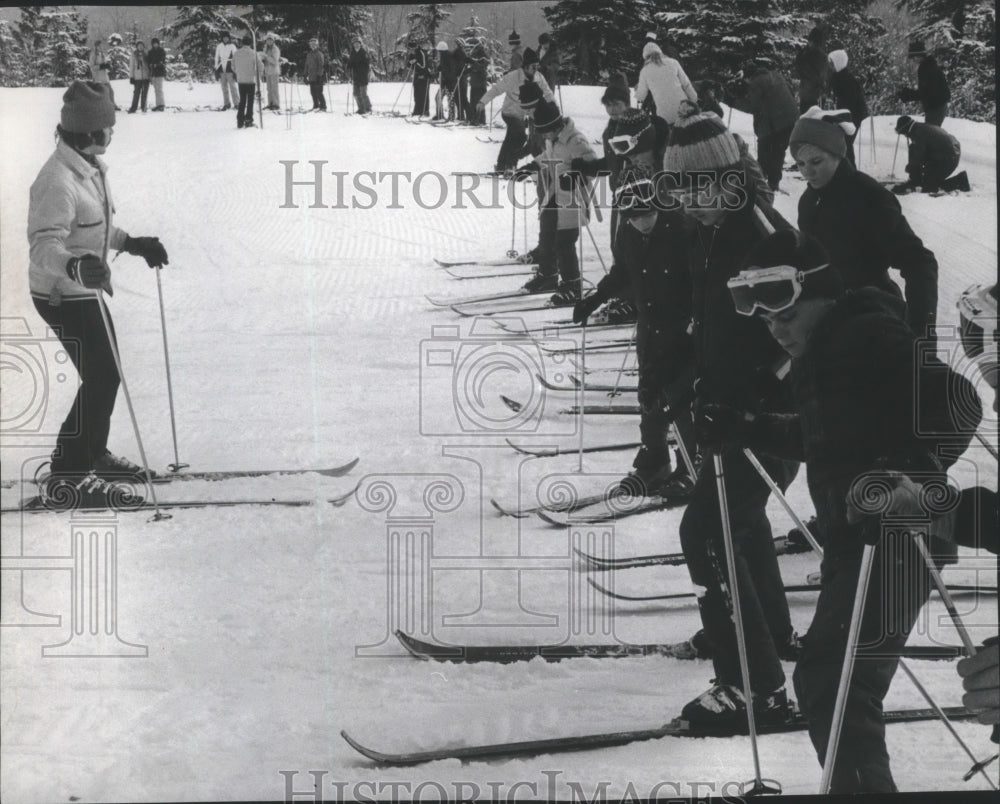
{"x":635,"y":198}
{"x":977,"y":311}
{"x":623,"y":144}
{"x":770,"y":290}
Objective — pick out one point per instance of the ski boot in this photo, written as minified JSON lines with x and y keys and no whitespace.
{"x":722,"y":709}
{"x":114,"y":468}
{"x":567,"y":294}
{"x":69,"y":492}
{"x":542,"y":283}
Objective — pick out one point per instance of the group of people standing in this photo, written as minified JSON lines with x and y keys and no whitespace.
{"x":143,"y":68}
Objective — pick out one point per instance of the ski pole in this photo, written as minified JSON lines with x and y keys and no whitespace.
{"x":401,"y":88}
{"x":847,"y":669}
{"x":946,"y":598}
{"x":599,"y":255}
{"x":176,"y":466}
{"x":777,"y":492}
{"x":759,"y":787}
{"x":871,"y":126}
{"x":512,"y":252}
{"x":685,"y":455}
{"x":989,"y":447}
{"x":621,"y":369}
{"x":524,"y":215}
{"x":892,"y":172}
{"x":583,"y":348}
{"x":158,"y":515}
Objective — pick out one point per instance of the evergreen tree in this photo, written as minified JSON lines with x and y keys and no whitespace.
{"x":600,"y":38}
{"x":334,"y":25}
{"x":197,"y":31}
{"x":53,"y":46}
{"x":12,"y":62}
{"x":493,"y":47}
{"x":425,"y":20}
{"x":118,"y":57}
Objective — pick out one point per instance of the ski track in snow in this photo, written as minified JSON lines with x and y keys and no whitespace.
{"x":295,"y":338}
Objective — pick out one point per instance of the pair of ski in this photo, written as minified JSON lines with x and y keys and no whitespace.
{"x":39,"y":504}
{"x":675,"y":728}
{"x":588,"y":410}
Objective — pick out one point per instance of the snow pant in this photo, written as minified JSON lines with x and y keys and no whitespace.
{"x":230,"y":95}
{"x":139,"y":92}
{"x":158,"y":92}
{"x":83,"y":437}
{"x":935,"y":115}
{"x":421,"y":97}
{"x":316,"y":90}
{"x":766,"y":621}
{"x":273,"y":95}
{"x":771,"y":154}
{"x":462,"y":99}
{"x":666,"y":368}
{"x":935,"y":169}
{"x":244,"y":112}
{"x":899,"y":587}
{"x":513,"y":142}
{"x":364,"y":106}
{"x":476,"y":92}
{"x":557,"y":248}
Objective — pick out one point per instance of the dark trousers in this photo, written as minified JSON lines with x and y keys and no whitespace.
{"x":557,"y":248}
{"x":899,"y":586}
{"x":364,"y":106}
{"x":462,"y":99}
{"x":83,"y":436}
{"x":771,"y":155}
{"x":316,"y":90}
{"x":476,"y":92}
{"x":139,"y":92}
{"x":933,"y":171}
{"x":244,"y":111}
{"x":666,"y":361}
{"x":766,"y":621}
{"x":935,"y":115}
{"x":421,"y":97}
{"x":513,"y":142}
{"x":850,"y":156}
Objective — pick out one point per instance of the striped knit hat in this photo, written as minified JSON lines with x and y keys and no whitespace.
{"x":700,"y":141}
{"x":824,"y":129}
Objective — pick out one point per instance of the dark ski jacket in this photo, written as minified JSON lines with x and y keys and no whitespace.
{"x":548,"y":63}
{"x":932,"y":86}
{"x":856,"y":410}
{"x":358,"y":65}
{"x":812,"y":66}
{"x":157,"y":61}
{"x":613,"y":164}
{"x":420,"y":62}
{"x":476,"y":66}
{"x":769,"y":99}
{"x":930,"y":145}
{"x":446,"y":71}
{"x":735,"y":354}
{"x":848,"y":94}
{"x":862,"y":227}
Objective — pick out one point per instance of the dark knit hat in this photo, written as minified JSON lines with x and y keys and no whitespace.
{"x":917,"y":49}
{"x":903,"y":124}
{"x":547,"y":116}
{"x":700,"y":141}
{"x":817,"y":35}
{"x":544,"y":38}
{"x":617,"y":90}
{"x":247,"y":39}
{"x":530,"y":95}
{"x":824,"y":129}
{"x":528,"y":58}
{"x":802,"y":251}
{"x":632,"y":122}
{"x":514,"y":39}
{"x":87,"y":106}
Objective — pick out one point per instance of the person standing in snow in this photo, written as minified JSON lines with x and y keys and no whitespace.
{"x":315,"y":73}
{"x":858,"y":221}
{"x":247,"y":66}
{"x":477,"y":64}
{"x":509,"y":86}
{"x":420,"y":64}
{"x":138,"y":72}
{"x":272,"y":70}
{"x":768,"y":98}
{"x":548,"y":60}
{"x":562,"y":203}
{"x":664,"y":79}
{"x":70,"y":231}
{"x":847,"y":94}
{"x":932,"y":87}
{"x":446,"y":76}
{"x":99,"y":64}
{"x":358,"y":67}
{"x":224,"y":71}
{"x":855,"y":374}
{"x":812,"y":68}
{"x":933,"y":155}
{"x":516,"y":55}
{"x":157,"y":61}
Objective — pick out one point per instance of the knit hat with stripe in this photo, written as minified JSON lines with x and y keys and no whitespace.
{"x":824,"y":129}
{"x":700,"y":141}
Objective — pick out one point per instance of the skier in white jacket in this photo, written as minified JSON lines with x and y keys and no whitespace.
{"x":664,"y":78}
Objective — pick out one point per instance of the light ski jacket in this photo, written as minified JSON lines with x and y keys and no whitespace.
{"x":272,"y":60}
{"x":668,"y":84}
{"x":557,"y":160}
{"x":248,"y":65}
{"x":510,"y":87}
{"x":99,"y":65}
{"x":224,"y":56}
{"x":138,"y":68}
{"x":69,"y":215}
{"x":315,"y":69}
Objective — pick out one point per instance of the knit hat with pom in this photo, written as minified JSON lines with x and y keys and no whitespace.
{"x":651,"y":48}
{"x":824,"y":129}
{"x":700,"y":141}
{"x":617,"y":90}
{"x":838,"y":58}
{"x":87,"y":106}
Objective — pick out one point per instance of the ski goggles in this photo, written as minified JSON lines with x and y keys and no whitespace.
{"x":635,"y":198}
{"x":769,"y":290}
{"x":977,"y":311}
{"x":623,"y":144}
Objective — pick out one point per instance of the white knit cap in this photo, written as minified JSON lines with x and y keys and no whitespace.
{"x":651,"y":48}
{"x":838,"y":58}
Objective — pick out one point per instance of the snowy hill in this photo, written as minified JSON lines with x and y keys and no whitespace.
{"x":300,"y":337}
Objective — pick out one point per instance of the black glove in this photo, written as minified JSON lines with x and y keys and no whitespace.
{"x":90,"y":271}
{"x":719,"y":424}
{"x":583,"y":308}
{"x":526,"y":172}
{"x":218,"y":72}
{"x":149,"y":248}
{"x":104,"y":65}
{"x":566,"y":180}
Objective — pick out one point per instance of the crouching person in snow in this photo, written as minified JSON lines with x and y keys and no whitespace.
{"x":933,"y":156}
{"x":563,"y":202}
{"x":69,"y":233}
{"x":855,"y":379}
